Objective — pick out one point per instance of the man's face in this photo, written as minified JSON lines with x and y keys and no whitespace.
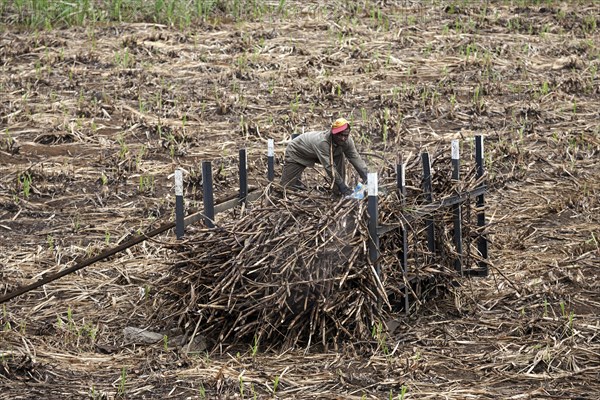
{"x":341,"y":137}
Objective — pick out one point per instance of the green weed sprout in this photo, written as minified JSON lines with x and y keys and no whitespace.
{"x":403,"y":391}
{"x":379,"y":335}
{"x":25,"y":180}
{"x":254,"y":348}
{"x":122,"y":382}
{"x":123,"y":149}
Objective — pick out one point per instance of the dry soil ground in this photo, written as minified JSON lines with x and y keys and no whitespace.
{"x":94,"y":120}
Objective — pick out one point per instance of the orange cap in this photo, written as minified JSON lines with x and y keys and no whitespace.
{"x":339,"y":125}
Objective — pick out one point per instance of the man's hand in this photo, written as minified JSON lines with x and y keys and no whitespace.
{"x":363,"y":176}
{"x":345,"y":190}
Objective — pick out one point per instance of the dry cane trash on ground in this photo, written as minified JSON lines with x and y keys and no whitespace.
{"x":95,"y":116}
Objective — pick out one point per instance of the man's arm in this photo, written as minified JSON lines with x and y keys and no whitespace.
{"x":355,"y":159}
{"x":324,"y":153}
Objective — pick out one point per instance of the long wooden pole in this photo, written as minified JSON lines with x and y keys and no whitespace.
{"x":123,"y":246}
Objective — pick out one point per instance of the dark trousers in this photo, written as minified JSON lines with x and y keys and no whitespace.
{"x":292,"y":172}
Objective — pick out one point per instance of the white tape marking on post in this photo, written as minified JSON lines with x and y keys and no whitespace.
{"x":178,"y":183}
{"x":403,"y":175}
{"x":372,"y":182}
{"x":270,"y":148}
{"x":455,"y":150}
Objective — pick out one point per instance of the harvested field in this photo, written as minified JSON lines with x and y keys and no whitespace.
{"x":94,"y":119}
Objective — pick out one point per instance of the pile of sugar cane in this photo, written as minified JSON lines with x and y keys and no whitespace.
{"x":294,"y":268}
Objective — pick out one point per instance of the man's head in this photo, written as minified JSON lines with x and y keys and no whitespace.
{"x":340,"y":130}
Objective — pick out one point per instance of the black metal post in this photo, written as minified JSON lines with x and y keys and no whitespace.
{"x":372,"y":208}
{"x":482,"y":243}
{"x":271,"y":160}
{"x":427,"y":189}
{"x":401,"y":180}
{"x":243,"y":175}
{"x":456,"y":208}
{"x":179,"y":217}
{"x":207,"y":191}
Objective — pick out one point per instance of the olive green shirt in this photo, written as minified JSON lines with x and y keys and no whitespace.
{"x":317,"y":147}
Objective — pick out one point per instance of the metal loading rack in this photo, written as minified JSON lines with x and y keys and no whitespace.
{"x":410,"y":235}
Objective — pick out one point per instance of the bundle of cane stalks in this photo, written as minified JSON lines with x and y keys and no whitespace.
{"x":293,"y":269}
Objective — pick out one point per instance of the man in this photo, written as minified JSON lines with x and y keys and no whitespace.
{"x":329,"y":148}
